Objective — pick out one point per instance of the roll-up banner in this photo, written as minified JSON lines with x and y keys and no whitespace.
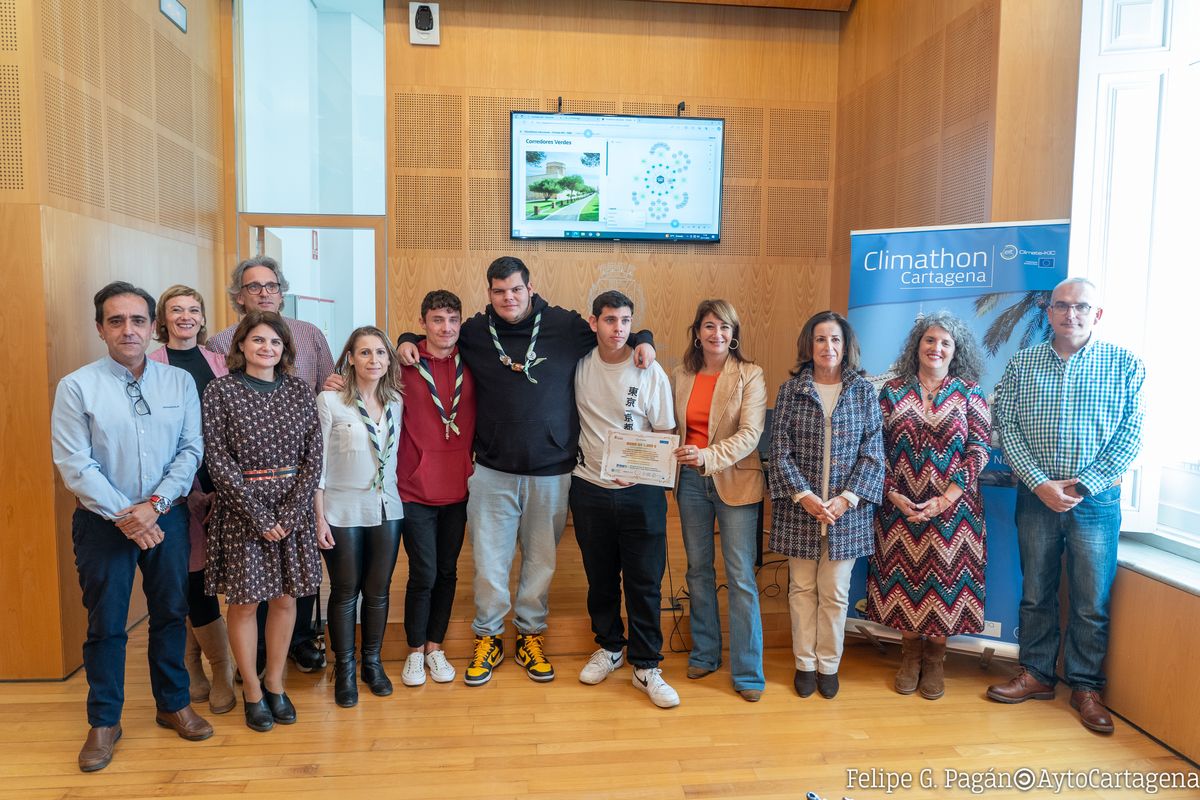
{"x":997,"y":278}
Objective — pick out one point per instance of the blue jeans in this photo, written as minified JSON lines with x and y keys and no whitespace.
{"x":1088,"y":533}
{"x":106,"y":561}
{"x":699,"y":505}
{"x":505,"y":510}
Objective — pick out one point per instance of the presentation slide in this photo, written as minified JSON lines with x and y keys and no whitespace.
{"x":616,"y":177}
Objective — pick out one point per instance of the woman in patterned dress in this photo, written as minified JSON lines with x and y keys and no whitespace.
{"x":359,"y":513}
{"x":926,"y":578}
{"x":826,"y":476}
{"x":262,"y":444}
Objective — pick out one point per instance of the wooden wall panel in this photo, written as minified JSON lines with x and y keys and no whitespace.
{"x":122,"y":181}
{"x":770,"y":74}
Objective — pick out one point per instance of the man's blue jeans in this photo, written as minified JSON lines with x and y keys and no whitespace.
{"x":106,"y":561}
{"x":699,"y":506}
{"x":1088,"y":533}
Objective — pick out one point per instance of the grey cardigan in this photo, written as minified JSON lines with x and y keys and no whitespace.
{"x":855,"y":463}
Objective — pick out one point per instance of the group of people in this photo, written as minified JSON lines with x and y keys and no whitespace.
{"x":233,"y":464}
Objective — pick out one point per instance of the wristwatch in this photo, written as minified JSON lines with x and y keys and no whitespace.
{"x":160,"y":504}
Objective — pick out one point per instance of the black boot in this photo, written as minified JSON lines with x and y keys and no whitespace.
{"x":345,"y":681}
{"x":374,"y":676}
{"x":373,"y":625}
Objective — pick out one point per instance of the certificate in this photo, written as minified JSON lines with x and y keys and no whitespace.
{"x":639,"y":457}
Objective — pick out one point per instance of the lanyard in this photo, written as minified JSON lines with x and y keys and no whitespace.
{"x":531,"y":359}
{"x":381,"y":449}
{"x":423,"y":370}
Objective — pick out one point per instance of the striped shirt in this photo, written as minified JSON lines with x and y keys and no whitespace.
{"x":1079,"y":418}
{"x":314,"y":362}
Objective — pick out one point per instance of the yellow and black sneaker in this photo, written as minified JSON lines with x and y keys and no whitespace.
{"x":489,"y":652}
{"x":530,"y":655}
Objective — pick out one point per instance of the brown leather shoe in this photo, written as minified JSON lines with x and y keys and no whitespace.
{"x":750,"y":695}
{"x":694,"y":672}
{"x":186,"y":722}
{"x":1092,"y":712}
{"x":98,"y":749}
{"x":1021,"y":688}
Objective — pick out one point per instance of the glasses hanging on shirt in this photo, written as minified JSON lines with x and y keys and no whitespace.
{"x":134,"y":390}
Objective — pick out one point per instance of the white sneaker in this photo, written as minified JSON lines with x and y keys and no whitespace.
{"x":651,"y":682}
{"x":600,"y":665}
{"x":414,"y":670}
{"x":441,"y":670}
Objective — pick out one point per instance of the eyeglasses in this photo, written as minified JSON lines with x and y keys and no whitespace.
{"x":134,"y":390}
{"x":259,"y":288}
{"x":1082,"y":309}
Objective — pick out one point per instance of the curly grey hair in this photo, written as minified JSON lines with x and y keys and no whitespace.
{"x":235,"y":280}
{"x":967,"y":362}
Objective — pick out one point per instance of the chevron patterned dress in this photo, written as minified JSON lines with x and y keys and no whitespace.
{"x":928,"y":577}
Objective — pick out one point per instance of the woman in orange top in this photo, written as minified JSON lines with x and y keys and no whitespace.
{"x":720,"y":401}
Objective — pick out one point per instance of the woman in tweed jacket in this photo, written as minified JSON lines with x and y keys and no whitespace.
{"x":826,"y":477}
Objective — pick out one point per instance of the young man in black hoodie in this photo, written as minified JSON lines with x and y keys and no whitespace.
{"x":522,"y":352}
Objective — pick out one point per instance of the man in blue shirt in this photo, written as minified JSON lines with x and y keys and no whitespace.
{"x":126,"y":440}
{"x":1070,"y":416}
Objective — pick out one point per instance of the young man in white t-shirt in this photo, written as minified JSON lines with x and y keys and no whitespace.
{"x":621,"y":528}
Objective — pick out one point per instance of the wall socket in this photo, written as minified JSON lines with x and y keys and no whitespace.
{"x":991,"y":628}
{"x":424,"y":23}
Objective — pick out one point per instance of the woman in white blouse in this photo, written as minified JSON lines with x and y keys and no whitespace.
{"x":359,"y":515}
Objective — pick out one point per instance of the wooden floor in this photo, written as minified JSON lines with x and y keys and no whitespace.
{"x":514,"y":738}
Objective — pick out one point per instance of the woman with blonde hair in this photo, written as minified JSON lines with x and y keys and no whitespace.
{"x":181,"y":325}
{"x":720,"y":403}
{"x":359,"y":512}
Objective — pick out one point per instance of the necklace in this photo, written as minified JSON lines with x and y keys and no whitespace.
{"x":933,"y":390}
{"x":531,"y":359}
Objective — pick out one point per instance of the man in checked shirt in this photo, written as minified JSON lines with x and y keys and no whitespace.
{"x":1070,"y":415}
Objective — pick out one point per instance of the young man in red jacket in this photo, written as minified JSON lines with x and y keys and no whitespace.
{"x":432,"y":468}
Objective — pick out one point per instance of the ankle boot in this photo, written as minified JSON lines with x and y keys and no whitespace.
{"x":198,"y":685}
{"x":933,"y":681}
{"x":373,"y":625}
{"x":345,"y":681}
{"x":214,"y":642}
{"x":910,"y":665}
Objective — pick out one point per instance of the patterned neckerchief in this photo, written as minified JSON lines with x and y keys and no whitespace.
{"x":380,"y":448}
{"x":448,"y":421}
{"x":531,"y":359}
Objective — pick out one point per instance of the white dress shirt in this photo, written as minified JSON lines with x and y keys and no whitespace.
{"x":350,"y":467}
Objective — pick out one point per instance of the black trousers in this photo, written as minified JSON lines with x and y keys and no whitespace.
{"x":433,"y":539}
{"x":203,"y":609}
{"x":622,"y":535}
{"x":361,"y":563}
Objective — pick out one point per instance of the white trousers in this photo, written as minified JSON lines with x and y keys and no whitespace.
{"x":818,"y":594}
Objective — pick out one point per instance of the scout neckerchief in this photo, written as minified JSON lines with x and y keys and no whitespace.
{"x":381,"y":449}
{"x":531,"y":359}
{"x":423,"y":369}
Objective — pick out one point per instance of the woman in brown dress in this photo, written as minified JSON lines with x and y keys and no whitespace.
{"x":262,"y":443}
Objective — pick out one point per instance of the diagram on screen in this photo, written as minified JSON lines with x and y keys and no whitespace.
{"x":661,"y":187}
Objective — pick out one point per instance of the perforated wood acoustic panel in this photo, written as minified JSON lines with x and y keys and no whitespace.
{"x":74,"y":142}
{"x":176,"y":186}
{"x":488,"y":216}
{"x":12,"y":162}
{"x":209,"y":222}
{"x":428,"y":212}
{"x":580,"y":246}
{"x":741,"y":226}
{"x":132,"y":161}
{"x":128,"y":57}
{"x":964,"y":186}
{"x":71,"y":37}
{"x":208,"y":111}
{"x":797,"y":222}
{"x":428,"y":131}
{"x":172,"y":87}
{"x":852,"y":121}
{"x":800,"y":141}
{"x":970,"y":64}
{"x":920,"y":86}
{"x":8,"y":26}
{"x":581,"y":105}
{"x":743,"y":138}
{"x":916,"y":188}
{"x":653,"y":109}
{"x":879,"y":204}
{"x":882,"y":99}
{"x":489,"y":126}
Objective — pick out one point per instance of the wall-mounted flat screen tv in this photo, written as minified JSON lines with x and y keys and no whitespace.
{"x":601,"y":176}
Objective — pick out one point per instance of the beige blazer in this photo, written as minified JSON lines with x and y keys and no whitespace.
{"x":735,"y":423}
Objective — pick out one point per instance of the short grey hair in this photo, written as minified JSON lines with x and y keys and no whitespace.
{"x":1078,"y":279}
{"x":235,"y":280}
{"x":967,"y":362}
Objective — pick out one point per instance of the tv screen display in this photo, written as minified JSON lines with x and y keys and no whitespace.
{"x":601,"y":176}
